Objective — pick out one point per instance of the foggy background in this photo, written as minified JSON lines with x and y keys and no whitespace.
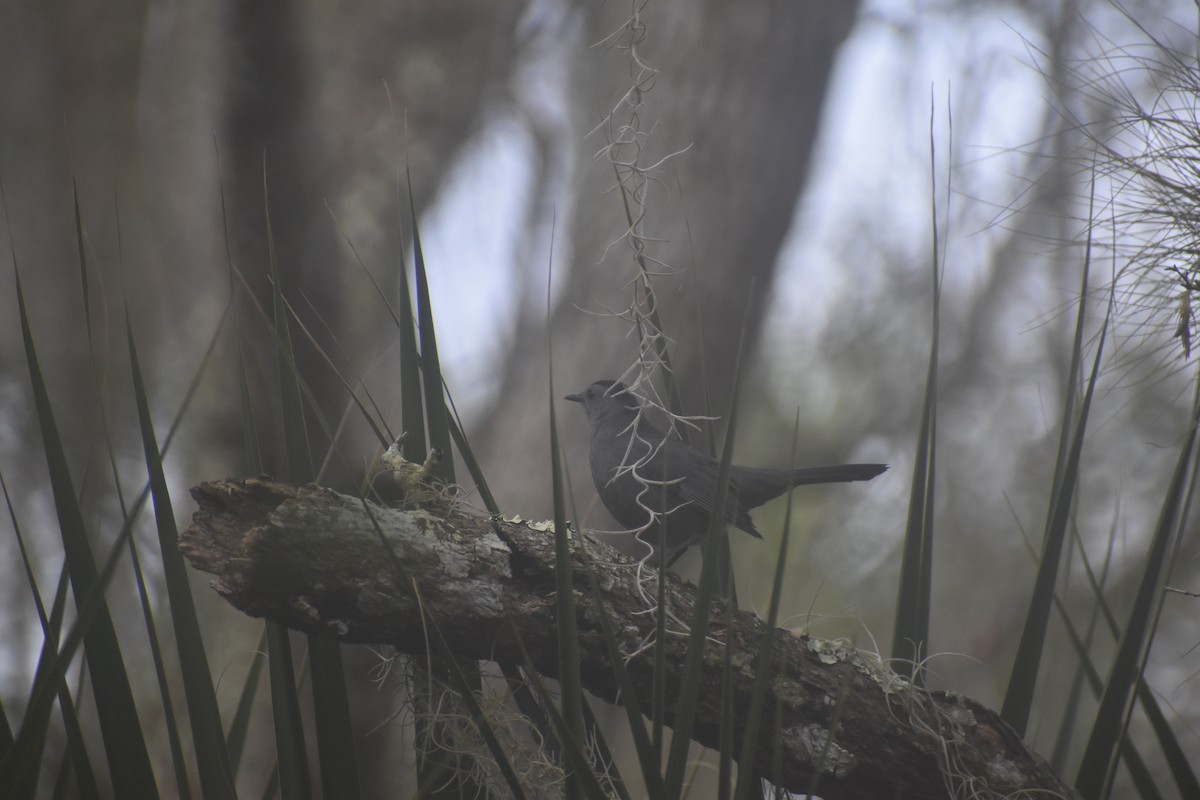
{"x":794,"y":201}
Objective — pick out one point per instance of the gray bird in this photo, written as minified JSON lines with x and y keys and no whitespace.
{"x":678,"y":483}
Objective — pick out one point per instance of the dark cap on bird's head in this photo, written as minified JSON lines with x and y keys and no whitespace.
{"x":605,"y":395}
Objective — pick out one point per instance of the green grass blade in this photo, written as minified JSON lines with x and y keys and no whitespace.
{"x":251,"y":455}
{"x":339,"y":762}
{"x":335,"y":739}
{"x":1101,"y":756}
{"x":125,"y":745}
{"x":170,"y":722}
{"x":6,"y":744}
{"x":911,"y":629}
{"x":577,"y":759}
{"x":208,"y":736}
{"x":576,"y":712}
{"x":23,"y":783}
{"x":1181,"y":767}
{"x":728,"y":713}
{"x":413,"y":408}
{"x":658,"y":696}
{"x":910,"y":632}
{"x":764,"y":668}
{"x":289,"y":731}
{"x":689,"y":689}
{"x":367,"y":415}
{"x":527,"y":704}
{"x":463,"y":686}
{"x":433,"y":385}
{"x":1022,"y":684}
{"x":1070,"y":391}
{"x":777,"y":747}
{"x":291,"y":755}
{"x":295,"y":430}
{"x":235,"y":740}
{"x":49,"y":654}
{"x":603,"y":755}
{"x":1088,"y":674}
{"x":469,"y":460}
{"x":285,"y":354}
{"x":272,"y":789}
{"x":1083,"y":644}
{"x":457,"y":677}
{"x":434,"y":769}
{"x":648,"y":752}
{"x":86,"y":785}
{"x":26,"y":750}
{"x":648,"y":756}
{"x":409,"y":355}
{"x":1139,"y":773}
{"x":1018,"y":700}
{"x":459,"y":682}
{"x":51,"y":626}
{"x":564,"y":598}
{"x":1182,"y":770}
{"x":83,"y":274}
{"x":412,"y":404}
{"x":435,"y":404}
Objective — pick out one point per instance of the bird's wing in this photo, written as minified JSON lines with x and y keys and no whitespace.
{"x":698,"y":486}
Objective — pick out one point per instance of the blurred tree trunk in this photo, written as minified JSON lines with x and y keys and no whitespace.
{"x":322,"y":141}
{"x":744,"y":92}
{"x":295,"y":131}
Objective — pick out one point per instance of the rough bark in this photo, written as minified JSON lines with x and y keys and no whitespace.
{"x":316,"y":560}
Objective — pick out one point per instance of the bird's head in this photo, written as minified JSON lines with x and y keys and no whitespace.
{"x":605,"y":399}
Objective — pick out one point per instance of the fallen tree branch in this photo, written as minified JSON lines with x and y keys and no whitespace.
{"x":314,"y":560}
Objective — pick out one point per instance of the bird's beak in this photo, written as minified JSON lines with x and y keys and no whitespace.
{"x":574,"y":398}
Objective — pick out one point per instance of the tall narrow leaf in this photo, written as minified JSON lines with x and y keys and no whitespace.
{"x":1018,"y":700}
{"x":765,"y":667}
{"x":911,"y":630}
{"x":412,"y":406}
{"x":649,"y":757}
{"x":125,"y":745}
{"x":568,"y":633}
{"x":216,"y":774}
{"x":294,"y":781}
{"x":689,"y":690}
{"x":435,"y":404}
{"x":235,"y":741}
{"x":335,"y":739}
{"x":51,"y":626}
{"x":585,"y":779}
{"x":27,"y":745}
{"x":1100,"y":759}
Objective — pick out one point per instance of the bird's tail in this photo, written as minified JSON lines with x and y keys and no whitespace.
{"x":758,"y":485}
{"x":842,"y":473}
